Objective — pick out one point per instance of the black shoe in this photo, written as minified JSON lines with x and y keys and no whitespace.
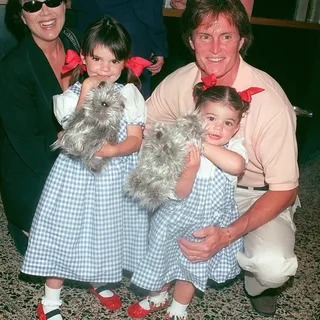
{"x":265,"y":304}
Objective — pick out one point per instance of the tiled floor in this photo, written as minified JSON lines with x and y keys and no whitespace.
{"x":300,"y":299}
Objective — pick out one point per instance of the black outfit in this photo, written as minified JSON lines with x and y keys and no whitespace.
{"x":143,"y":20}
{"x":27,"y":85}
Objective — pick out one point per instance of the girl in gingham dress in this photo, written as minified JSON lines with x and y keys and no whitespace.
{"x":205,"y":195}
{"x":79,"y":225}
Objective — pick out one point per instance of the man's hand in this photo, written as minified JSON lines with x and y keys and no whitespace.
{"x":214,"y":239}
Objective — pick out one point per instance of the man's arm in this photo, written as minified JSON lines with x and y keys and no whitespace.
{"x":266,"y":208}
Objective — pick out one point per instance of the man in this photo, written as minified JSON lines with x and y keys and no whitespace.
{"x":219,"y":33}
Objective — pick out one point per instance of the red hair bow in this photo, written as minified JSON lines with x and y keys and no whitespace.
{"x":137,"y":64}
{"x":209,"y":81}
{"x":72,"y":61}
{"x":246,"y":95}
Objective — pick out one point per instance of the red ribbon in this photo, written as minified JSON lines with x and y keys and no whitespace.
{"x":72,"y":61}
{"x":137,"y":64}
{"x":246,"y":95}
{"x":209,"y":81}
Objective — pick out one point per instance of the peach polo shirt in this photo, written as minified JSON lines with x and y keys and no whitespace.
{"x":268,"y":128}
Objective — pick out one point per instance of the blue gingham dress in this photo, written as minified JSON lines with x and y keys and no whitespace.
{"x":210,"y":203}
{"x":85,"y":228}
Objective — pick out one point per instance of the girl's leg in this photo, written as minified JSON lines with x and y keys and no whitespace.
{"x":50,"y":305}
{"x":182,"y":295}
{"x":156,"y":300}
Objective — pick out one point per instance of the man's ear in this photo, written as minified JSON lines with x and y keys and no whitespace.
{"x":191,"y":43}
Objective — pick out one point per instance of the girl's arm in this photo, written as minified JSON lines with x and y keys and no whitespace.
{"x":87,"y":85}
{"x":186,"y":180}
{"x":228,"y":161}
{"x":130,"y":145}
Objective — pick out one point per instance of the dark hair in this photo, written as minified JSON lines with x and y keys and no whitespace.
{"x":13,"y":18}
{"x":109,"y":33}
{"x":221,"y":94}
{"x":197,"y":10}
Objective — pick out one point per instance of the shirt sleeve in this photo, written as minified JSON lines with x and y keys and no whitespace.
{"x":277,"y":151}
{"x":64,"y":105}
{"x":135,"y":110}
{"x":237,"y":145}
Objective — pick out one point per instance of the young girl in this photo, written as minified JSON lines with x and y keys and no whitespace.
{"x":205,"y":193}
{"x":82,"y":229}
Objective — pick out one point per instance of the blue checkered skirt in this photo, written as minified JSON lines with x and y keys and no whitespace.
{"x":85,"y":228}
{"x":210,"y":203}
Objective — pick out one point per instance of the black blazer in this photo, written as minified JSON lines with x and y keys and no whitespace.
{"x":27,"y":84}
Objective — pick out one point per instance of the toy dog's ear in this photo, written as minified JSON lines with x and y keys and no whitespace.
{"x":102,"y":84}
{"x":159,"y":135}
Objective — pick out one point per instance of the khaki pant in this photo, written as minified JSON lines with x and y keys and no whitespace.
{"x":268,"y":257}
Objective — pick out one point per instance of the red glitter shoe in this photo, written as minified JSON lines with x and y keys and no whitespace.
{"x":112,"y":303}
{"x":136,"y":311}
{"x":46,"y":316}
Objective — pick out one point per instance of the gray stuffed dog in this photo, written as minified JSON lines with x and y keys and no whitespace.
{"x":162,"y":160}
{"x":96,"y":122}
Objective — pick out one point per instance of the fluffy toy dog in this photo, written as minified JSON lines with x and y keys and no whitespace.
{"x":162,"y":160}
{"x":96,"y":122}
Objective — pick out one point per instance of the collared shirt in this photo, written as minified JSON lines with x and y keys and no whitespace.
{"x":268,"y":128}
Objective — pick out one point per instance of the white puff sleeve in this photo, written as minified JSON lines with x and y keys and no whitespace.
{"x":135,"y":111}
{"x":237,"y":145}
{"x":64,"y":104}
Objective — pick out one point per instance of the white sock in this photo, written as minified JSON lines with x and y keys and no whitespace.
{"x":178,"y":309}
{"x":156,"y":300}
{"x":105,"y":293}
{"x":51,"y":301}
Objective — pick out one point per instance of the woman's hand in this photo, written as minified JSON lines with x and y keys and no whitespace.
{"x":214,"y":239}
{"x":156,"y":67}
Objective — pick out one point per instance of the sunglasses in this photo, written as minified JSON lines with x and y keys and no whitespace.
{"x":34,"y":6}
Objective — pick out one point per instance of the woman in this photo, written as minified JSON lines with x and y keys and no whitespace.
{"x":30,"y":76}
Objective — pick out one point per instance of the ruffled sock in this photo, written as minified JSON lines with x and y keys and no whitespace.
{"x":51,"y":301}
{"x":155,"y":300}
{"x":177,"y":311}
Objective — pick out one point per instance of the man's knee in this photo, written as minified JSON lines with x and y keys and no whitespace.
{"x":269,"y":268}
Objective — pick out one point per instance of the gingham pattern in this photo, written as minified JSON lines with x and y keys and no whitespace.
{"x":76,"y":88}
{"x":84,"y":227}
{"x":210,"y":203}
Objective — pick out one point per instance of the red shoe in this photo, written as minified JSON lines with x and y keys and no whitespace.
{"x":112,"y":303}
{"x":46,"y":316}
{"x":136,"y":311}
